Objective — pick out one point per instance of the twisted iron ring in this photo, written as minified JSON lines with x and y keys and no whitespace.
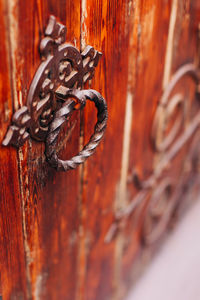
{"x":60,"y":117}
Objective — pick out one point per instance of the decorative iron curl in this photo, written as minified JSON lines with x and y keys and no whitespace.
{"x":167,"y":106}
{"x":60,"y":118}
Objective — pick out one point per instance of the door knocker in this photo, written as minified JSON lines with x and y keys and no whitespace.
{"x":55,"y":92}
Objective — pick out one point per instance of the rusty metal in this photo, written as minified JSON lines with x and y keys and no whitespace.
{"x":63,"y":68}
{"x":17,"y":134}
{"x":60,"y":118}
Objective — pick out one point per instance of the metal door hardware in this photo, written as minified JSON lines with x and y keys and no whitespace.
{"x":55,"y":92}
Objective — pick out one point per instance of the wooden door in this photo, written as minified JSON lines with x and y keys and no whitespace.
{"x":88,"y":233}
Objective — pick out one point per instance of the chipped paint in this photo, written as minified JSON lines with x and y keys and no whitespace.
{"x":122,"y":197}
{"x":169,"y":49}
{"x":121,"y":200}
{"x":17,"y":101}
{"x":39,"y":286}
{"x":84,"y":32}
{"x":13,"y":42}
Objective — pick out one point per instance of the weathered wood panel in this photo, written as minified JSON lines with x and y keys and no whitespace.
{"x":163,"y":48}
{"x":150,"y":39}
{"x":105,"y":25}
{"x":55,"y":234}
{"x":12,"y":256}
{"x":49,"y":200}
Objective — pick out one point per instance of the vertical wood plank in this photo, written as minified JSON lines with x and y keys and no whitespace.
{"x":106,"y":26}
{"x":150,"y":33}
{"x":152,"y":44}
{"x":49,"y":199}
{"x":12,"y":255}
{"x":53,"y":225}
{"x":163,"y":48}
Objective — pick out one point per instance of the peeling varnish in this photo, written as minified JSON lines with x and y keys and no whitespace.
{"x":39,"y":286}
{"x":121,"y":198}
{"x":84,"y":32}
{"x":121,"y":195}
{"x":81,"y":258}
{"x":167,"y":65}
{"x":13,"y":42}
{"x":7,"y":113}
{"x":147,"y":27}
{"x":169,"y":49}
{"x":23,"y":200}
{"x":121,"y":202}
{"x":12,"y":35}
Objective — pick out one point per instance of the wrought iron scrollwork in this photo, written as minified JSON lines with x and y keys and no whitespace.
{"x":159,"y":193}
{"x":60,"y":118}
{"x":61,"y":75}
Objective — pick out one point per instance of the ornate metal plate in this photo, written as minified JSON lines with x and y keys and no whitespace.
{"x":54,"y":94}
{"x":62,"y":66}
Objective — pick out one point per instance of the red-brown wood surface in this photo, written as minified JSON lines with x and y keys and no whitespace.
{"x":52,"y":212}
{"x":54,"y":226}
{"x":49,"y":200}
{"x":151,"y":41}
{"x":105,"y":24}
{"x":12,"y":255}
{"x":180,"y":20}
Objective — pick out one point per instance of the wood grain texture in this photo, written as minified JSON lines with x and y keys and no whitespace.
{"x":12,"y":255}
{"x":153,"y":46}
{"x":151,"y":39}
{"x":54,"y":225}
{"x":52,"y":215}
{"x":105,"y":25}
{"x":49,"y":199}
